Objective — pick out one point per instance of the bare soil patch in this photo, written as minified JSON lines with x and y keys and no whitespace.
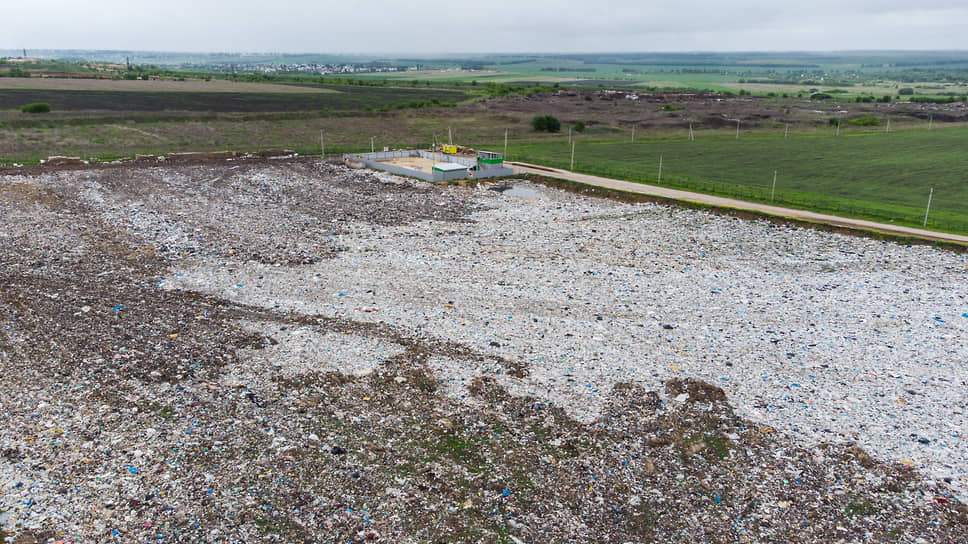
{"x":417,"y":163}
{"x":706,"y":111}
{"x":153,"y":85}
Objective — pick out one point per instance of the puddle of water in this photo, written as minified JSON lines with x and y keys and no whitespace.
{"x":519,"y":191}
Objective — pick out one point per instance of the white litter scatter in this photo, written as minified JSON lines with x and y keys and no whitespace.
{"x":457,"y":375}
{"x":295,"y":351}
{"x":824,"y":336}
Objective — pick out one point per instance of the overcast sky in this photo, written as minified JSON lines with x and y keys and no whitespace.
{"x":442,"y":26}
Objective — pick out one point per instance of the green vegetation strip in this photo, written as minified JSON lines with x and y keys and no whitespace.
{"x":882,"y":177}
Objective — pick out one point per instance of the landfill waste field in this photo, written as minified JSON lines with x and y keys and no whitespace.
{"x":293,"y":351}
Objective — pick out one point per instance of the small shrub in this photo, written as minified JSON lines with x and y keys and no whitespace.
{"x":866,"y":121}
{"x":834,"y":121}
{"x":934,"y":99}
{"x":885,"y":99}
{"x":546,"y":123}
{"x":417,"y":104}
{"x":579,"y":126}
{"x":905,"y":91}
{"x":36,"y":107}
{"x":15,"y":72}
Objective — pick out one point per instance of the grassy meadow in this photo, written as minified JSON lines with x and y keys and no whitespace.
{"x":881,"y":176}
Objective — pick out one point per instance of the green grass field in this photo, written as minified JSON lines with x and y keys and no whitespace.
{"x":855,"y":73}
{"x":879,"y":176}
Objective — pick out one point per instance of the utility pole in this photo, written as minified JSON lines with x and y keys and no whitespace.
{"x":930,"y":121}
{"x":322,"y":145}
{"x":928,"y":209}
{"x":572,"y":155}
{"x":692,"y":137}
{"x":371,"y":144}
{"x":505,"y":144}
{"x":786,"y":130}
{"x":737,"y":129}
{"x":450,"y":138}
{"x":569,"y":134}
{"x":773,"y":190}
{"x":659,"y":179}
{"x":838,"y":127}
{"x":888,"y":129}
{"x":633,"y":135}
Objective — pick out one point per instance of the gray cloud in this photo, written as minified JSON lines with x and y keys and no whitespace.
{"x":424,"y":26}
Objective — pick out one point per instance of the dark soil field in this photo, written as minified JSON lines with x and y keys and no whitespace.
{"x":346,"y":98}
{"x":665,"y":111}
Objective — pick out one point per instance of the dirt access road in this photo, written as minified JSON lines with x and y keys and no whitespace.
{"x":675,"y":194}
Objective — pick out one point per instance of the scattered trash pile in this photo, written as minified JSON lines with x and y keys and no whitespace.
{"x":184,"y":157}
{"x":295,"y":351}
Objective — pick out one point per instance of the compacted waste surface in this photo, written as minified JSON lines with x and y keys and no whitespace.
{"x":296,"y":350}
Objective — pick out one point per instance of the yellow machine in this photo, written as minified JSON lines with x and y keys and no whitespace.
{"x":450,"y":149}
